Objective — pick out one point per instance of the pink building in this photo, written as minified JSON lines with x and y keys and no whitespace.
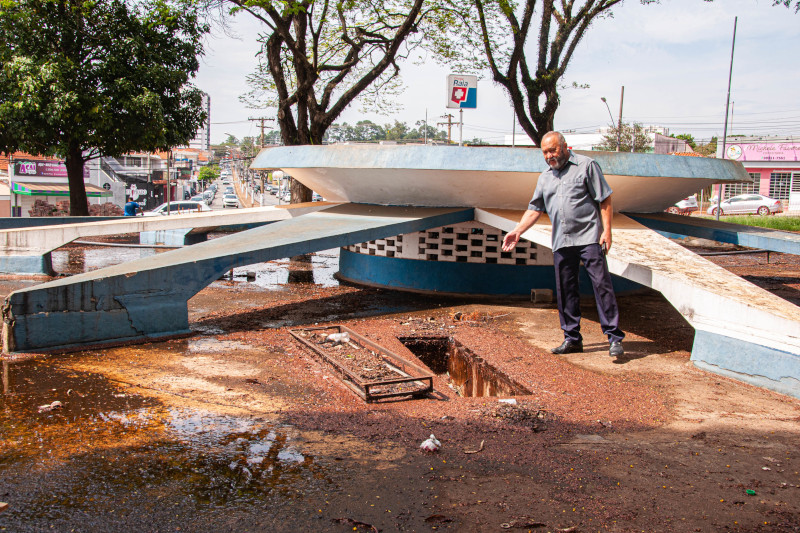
{"x":772,"y":162}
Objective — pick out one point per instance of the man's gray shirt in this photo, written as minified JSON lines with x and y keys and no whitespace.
{"x":571,"y":197}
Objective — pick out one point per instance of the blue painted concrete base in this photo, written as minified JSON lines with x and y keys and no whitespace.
{"x":457,"y":278}
{"x":63,"y":331}
{"x":27,"y":264}
{"x":749,"y":362}
{"x":172,"y":237}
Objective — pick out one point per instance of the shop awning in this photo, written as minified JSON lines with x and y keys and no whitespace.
{"x":54,"y":189}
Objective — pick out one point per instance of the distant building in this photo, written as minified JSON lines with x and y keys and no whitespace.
{"x":32,"y":178}
{"x":202,"y":139}
{"x":663,"y":144}
{"x":772,"y":162}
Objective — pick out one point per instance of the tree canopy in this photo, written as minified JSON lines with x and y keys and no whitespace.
{"x":318,"y":57}
{"x":368,"y":131}
{"x":788,"y":3}
{"x":629,"y":133}
{"x":526,"y":46}
{"x":83,"y":78}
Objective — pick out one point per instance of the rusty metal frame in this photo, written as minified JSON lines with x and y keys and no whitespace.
{"x":412,"y":373}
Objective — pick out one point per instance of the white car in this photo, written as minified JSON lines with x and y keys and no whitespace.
{"x":684,"y":207}
{"x":178,"y":208}
{"x":230,"y":200}
{"x":747,"y":204}
{"x":200,"y":198}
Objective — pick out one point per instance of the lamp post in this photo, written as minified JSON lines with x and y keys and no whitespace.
{"x":603,"y":98}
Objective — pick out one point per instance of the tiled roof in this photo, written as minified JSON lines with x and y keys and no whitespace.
{"x":21,"y":155}
{"x":688,"y":154}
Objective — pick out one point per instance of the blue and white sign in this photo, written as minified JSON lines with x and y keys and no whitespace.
{"x":462,"y":91}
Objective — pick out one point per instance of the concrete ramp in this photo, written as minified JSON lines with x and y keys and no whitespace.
{"x":721,"y":231}
{"x":741,"y":330}
{"x":26,"y":250}
{"x":148,"y":297}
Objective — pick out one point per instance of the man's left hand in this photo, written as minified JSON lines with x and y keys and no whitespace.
{"x":605,"y":241}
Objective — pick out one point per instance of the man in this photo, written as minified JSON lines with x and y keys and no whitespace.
{"x":131,"y":208}
{"x":577,"y":198}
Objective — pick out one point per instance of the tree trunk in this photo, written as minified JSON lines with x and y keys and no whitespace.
{"x":78,"y":204}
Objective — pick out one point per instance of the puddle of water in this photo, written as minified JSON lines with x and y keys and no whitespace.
{"x":275,"y":274}
{"x":468,"y":374}
{"x":76,"y":261}
{"x":270,"y":275}
{"x":109,"y":453}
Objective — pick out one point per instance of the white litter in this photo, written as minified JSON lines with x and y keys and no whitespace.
{"x":510,"y":401}
{"x":338,"y":338}
{"x":430,"y":444}
{"x":50,"y":407}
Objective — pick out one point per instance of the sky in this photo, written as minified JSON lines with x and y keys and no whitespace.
{"x":672,"y":58}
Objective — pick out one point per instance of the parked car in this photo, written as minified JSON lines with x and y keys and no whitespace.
{"x":230,"y":200}
{"x":178,"y":208}
{"x":316,"y":197}
{"x":684,"y":207}
{"x":200,"y":198}
{"x":273,"y":190}
{"x":747,"y":204}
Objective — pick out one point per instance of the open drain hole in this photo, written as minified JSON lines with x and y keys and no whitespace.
{"x":468,"y":374}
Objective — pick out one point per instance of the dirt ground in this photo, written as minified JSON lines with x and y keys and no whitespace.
{"x":646,"y":442}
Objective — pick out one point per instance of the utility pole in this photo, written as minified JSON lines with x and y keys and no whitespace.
{"x":449,"y":125}
{"x":261,"y":120}
{"x":169,"y":196}
{"x":727,"y":103}
{"x":619,"y":125}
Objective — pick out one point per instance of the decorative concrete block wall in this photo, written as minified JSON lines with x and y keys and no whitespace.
{"x":468,"y":242}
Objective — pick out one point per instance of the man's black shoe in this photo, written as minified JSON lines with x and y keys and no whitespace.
{"x":568,"y":346}
{"x":616,"y":349}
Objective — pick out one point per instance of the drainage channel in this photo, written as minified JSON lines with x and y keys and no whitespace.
{"x":469,"y":375}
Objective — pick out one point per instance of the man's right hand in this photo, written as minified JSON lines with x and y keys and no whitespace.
{"x":510,"y":241}
{"x":512,"y":237}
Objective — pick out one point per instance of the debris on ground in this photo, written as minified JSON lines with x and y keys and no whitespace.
{"x":476,"y":316}
{"x":430,"y":444}
{"x":355,"y":523}
{"x":480,"y":449}
{"x":46,"y":408}
{"x":3,"y":506}
{"x":522,"y":521}
{"x":531,"y":417}
{"x":438,"y":519}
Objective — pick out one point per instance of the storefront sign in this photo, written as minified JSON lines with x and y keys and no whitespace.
{"x":27,"y":168}
{"x":53,"y":169}
{"x":134,"y":193}
{"x":763,"y":152}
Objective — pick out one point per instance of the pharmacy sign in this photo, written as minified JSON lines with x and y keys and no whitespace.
{"x":462,"y":91}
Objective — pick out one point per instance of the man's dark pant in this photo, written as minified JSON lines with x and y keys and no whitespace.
{"x":567,"y":264}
